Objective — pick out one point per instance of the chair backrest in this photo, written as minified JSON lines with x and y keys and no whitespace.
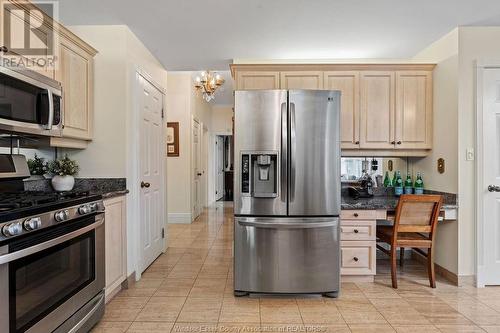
{"x":417,"y":213}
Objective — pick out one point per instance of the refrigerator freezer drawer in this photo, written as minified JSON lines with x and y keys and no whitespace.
{"x":287,"y":255}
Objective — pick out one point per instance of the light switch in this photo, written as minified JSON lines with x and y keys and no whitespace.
{"x":469,"y":154}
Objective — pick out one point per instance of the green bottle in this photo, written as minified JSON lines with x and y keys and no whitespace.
{"x":408,"y":184}
{"x":419,"y":184}
{"x":387,"y":180}
{"x":393,"y":182}
{"x":398,"y":184}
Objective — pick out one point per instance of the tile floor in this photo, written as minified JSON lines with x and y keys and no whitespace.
{"x":189,"y":289}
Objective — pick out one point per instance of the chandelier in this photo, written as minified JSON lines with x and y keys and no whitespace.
{"x":208,"y":83}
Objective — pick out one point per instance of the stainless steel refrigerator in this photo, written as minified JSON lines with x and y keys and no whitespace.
{"x":287,"y":192}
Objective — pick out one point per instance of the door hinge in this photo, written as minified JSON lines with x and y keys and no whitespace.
{"x":162,"y":232}
{"x":162,"y":114}
{"x":216,"y":192}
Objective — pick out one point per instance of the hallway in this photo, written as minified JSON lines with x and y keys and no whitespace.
{"x":189,"y":289}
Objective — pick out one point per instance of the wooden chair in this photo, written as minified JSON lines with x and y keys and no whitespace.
{"x":414,"y":226}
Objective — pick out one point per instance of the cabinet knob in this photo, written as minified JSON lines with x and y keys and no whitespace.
{"x":356,"y":231}
{"x":393,"y":142}
{"x":4,"y":49}
{"x":355,"y":259}
{"x":399,"y":142}
{"x":356,"y":214}
{"x":356,"y":143}
{"x":144,"y":184}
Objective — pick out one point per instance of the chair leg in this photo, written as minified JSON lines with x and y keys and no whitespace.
{"x":401,"y":256}
{"x":430,"y":267}
{"x":393,"y":267}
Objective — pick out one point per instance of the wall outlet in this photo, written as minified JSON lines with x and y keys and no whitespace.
{"x":469,"y":154}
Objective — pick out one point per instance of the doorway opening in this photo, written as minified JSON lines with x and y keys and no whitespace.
{"x":224,"y":159}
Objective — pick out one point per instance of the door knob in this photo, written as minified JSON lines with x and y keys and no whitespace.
{"x":144,"y":184}
{"x":493,"y":188}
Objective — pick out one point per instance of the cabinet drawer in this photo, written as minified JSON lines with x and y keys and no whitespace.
{"x":357,"y":230}
{"x":358,"y":258}
{"x":361,"y":214}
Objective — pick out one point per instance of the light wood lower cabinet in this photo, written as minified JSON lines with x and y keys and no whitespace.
{"x":358,"y":244}
{"x":116,"y":244}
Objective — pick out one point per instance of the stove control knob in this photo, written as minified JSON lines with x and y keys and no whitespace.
{"x":84,"y":209}
{"x":93,"y":207}
{"x":32,"y":223}
{"x":12,"y":229}
{"x":62,"y":215}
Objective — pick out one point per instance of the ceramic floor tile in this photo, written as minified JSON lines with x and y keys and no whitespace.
{"x":415,"y":329}
{"x":459,"y":329}
{"x":175,"y":287}
{"x":240,"y":310}
{"x":203,"y":310}
{"x":357,"y":317}
{"x":111,"y":327}
{"x":150,"y":327}
{"x":371,"y":328}
{"x":165,"y":309}
{"x":204,"y":288}
{"x":279,"y":311}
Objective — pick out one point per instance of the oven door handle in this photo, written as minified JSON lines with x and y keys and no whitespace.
{"x":96,"y":305}
{"x":6,"y":258}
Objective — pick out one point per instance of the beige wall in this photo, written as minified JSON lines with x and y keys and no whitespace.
{"x":184,"y":104}
{"x":475,"y":43}
{"x":109,"y":154}
{"x":106,"y":155}
{"x":444,"y":53}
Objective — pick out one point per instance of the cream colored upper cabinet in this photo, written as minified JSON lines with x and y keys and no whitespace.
{"x":414,"y":110}
{"x":348,"y":84}
{"x":377,"y":110}
{"x":301,"y":80}
{"x":257,"y":80}
{"x":75,"y":73}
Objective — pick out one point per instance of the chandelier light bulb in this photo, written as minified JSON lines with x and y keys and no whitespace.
{"x":208,"y":83}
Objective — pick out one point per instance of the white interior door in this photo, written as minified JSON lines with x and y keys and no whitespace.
{"x":489,"y":186}
{"x":196,"y":168}
{"x":219,"y":192}
{"x":204,"y":167}
{"x":151,"y":173}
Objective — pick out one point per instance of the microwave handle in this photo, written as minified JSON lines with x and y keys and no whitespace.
{"x":51,"y":110}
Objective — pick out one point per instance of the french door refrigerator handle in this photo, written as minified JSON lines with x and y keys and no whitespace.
{"x":285,"y":225}
{"x":284,"y":147}
{"x":292,"y":152}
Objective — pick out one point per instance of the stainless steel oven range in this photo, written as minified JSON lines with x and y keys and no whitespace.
{"x":51,"y":260}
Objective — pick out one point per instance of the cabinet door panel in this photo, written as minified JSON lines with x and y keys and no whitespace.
{"x":377,"y":110}
{"x":413,"y":110}
{"x":75,"y":74}
{"x":348,"y":84}
{"x":116,"y":249}
{"x":257,"y":80}
{"x":302,"y":80}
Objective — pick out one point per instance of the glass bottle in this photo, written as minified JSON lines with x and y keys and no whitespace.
{"x":419,"y":184}
{"x":408,"y":184}
{"x":398,"y":184}
{"x":387,"y":180}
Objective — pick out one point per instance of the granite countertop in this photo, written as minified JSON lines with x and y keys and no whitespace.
{"x":107,"y":187}
{"x":385,"y":199}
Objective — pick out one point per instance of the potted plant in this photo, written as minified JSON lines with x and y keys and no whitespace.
{"x":64,"y":171}
{"x":38,"y":167}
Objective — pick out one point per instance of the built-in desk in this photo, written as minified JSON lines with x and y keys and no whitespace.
{"x":358,"y":229}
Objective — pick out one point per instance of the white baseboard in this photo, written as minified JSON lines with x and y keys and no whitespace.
{"x":179,"y":218}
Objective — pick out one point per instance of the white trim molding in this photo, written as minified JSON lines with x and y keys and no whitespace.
{"x":179,"y":218}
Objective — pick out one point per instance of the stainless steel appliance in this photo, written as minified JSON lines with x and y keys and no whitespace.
{"x":30,"y":103}
{"x":51,"y":258}
{"x":287,"y":192}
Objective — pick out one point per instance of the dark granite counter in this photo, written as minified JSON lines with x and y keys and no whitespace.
{"x":107,"y":187}
{"x":387,"y":200}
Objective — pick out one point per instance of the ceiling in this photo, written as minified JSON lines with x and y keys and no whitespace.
{"x":190,"y":35}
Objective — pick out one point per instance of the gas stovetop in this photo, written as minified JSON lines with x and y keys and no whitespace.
{"x":24,"y":212}
{"x":12,"y":201}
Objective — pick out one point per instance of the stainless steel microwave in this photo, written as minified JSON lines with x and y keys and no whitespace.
{"x":30,"y":103}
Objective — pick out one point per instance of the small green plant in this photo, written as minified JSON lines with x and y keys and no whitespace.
{"x":38,"y":166}
{"x":64,"y":167}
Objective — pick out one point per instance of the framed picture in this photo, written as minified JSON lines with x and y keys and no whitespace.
{"x":173,"y":139}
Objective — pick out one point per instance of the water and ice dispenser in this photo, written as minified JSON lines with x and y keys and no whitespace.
{"x":259,"y":176}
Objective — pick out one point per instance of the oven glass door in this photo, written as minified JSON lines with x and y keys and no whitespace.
{"x":42,"y":281}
